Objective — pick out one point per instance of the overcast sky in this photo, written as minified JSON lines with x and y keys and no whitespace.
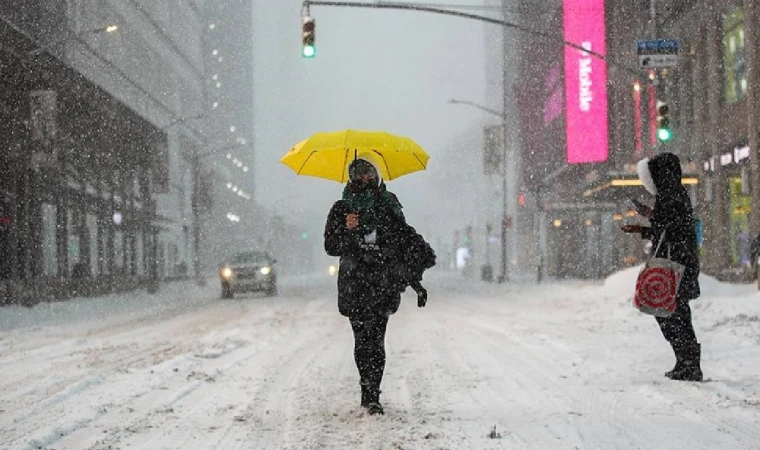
{"x":375,"y":69}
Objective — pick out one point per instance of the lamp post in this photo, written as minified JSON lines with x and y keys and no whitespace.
{"x":197,"y":205}
{"x":504,"y":276}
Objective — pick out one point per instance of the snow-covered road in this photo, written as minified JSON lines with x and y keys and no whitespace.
{"x":562,"y":366}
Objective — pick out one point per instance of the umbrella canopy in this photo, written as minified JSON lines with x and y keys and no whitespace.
{"x":327,"y":155}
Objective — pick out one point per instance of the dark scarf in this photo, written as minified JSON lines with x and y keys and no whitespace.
{"x":366,"y":201}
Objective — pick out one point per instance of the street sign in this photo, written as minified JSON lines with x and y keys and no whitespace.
{"x":657,"y":53}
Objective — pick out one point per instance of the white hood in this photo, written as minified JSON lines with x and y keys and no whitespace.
{"x":645,"y":176}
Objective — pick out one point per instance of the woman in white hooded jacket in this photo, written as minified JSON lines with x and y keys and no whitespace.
{"x":673,"y":217}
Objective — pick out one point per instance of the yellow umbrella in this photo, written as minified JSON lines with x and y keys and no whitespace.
{"x":327,"y":155}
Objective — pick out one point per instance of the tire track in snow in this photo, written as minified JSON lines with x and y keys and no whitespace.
{"x":233,"y":370}
{"x":88,"y":413}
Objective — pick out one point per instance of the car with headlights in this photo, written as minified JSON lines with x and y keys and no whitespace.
{"x":249,"y":271}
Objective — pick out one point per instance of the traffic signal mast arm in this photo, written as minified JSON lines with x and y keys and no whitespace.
{"x":424,"y":8}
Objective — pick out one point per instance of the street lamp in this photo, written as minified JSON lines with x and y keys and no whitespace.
{"x":109,"y":29}
{"x":504,"y":216}
{"x":195,"y":159}
{"x":112,"y":28}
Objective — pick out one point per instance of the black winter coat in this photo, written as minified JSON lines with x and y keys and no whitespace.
{"x":372,"y":277}
{"x":673,"y":214}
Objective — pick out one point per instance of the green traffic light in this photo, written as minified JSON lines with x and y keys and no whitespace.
{"x":309,"y":51}
{"x":664,"y":134}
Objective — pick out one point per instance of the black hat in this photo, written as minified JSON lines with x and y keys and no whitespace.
{"x":360,"y":167}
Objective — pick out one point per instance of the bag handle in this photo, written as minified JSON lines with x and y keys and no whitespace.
{"x":659,"y":243}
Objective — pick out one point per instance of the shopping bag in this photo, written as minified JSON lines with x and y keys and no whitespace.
{"x":657,"y":285}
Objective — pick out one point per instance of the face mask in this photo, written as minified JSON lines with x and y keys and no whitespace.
{"x":360,"y":186}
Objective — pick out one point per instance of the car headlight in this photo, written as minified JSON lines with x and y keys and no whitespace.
{"x":332,"y":271}
{"x":266,"y":270}
{"x":226,"y":272}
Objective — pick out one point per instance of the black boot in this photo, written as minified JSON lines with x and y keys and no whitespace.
{"x":690,"y":369}
{"x":372,"y":398}
{"x":375,"y":408}
{"x":679,"y":364}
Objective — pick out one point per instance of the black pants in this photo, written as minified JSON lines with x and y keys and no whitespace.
{"x":369,"y":349}
{"x":677,"y":328}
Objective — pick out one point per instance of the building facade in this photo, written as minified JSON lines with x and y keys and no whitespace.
{"x":708,"y":95}
{"x":100,"y":161}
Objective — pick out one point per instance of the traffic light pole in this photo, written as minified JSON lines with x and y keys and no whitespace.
{"x":507,"y":163}
{"x":504,"y":275}
{"x":447,"y":12}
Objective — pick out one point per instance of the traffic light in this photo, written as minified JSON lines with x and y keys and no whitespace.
{"x":664,"y":132}
{"x":307,"y":37}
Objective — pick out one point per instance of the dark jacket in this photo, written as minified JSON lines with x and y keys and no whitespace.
{"x":372,"y":277}
{"x":673,"y":214}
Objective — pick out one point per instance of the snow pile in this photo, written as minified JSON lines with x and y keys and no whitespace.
{"x":724,"y":309}
{"x":623,"y":284}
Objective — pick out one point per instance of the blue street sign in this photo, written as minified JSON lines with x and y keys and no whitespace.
{"x":657,"y":53}
{"x":657,"y":47}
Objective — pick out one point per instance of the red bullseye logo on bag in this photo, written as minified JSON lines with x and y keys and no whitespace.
{"x":656,"y":290}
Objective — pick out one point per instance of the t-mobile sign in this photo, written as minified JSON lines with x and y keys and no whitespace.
{"x":585,"y":82}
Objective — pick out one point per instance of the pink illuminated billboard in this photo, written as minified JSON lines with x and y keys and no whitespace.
{"x":585,"y":82}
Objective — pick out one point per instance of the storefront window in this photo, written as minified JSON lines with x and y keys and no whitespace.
{"x":49,"y":255}
{"x":75,"y":242}
{"x":139,"y":254}
{"x":92,"y":228}
{"x":118,"y":251}
{"x":739,"y":223}
{"x":735,"y":82}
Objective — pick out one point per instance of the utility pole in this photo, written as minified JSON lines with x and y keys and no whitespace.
{"x":751,"y":55}
{"x":196,"y":206}
{"x":654,"y":75}
{"x":716,"y":258}
{"x":505,"y":160}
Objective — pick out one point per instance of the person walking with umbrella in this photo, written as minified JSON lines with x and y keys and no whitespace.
{"x":380,"y":254}
{"x":367,"y":230}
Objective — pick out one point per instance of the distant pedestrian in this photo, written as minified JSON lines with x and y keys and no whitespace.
{"x":673,"y":216}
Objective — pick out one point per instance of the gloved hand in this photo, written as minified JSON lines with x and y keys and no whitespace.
{"x":370,"y":254}
{"x":370,"y":257}
{"x":422,"y":298}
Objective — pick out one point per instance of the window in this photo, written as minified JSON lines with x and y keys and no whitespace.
{"x":118,"y":251}
{"x":735,"y":67}
{"x":74,"y":240}
{"x":139,"y":253}
{"x":49,"y":248}
{"x":92,"y":230}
